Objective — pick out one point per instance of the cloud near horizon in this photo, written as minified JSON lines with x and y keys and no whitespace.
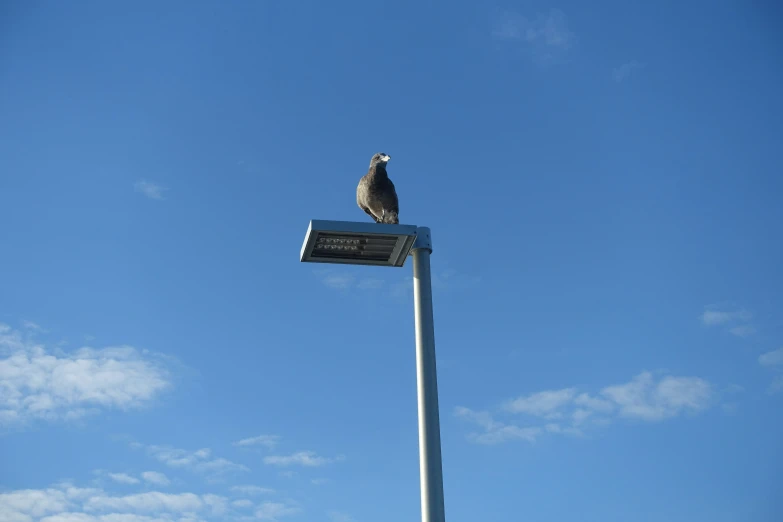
{"x":65,"y":502}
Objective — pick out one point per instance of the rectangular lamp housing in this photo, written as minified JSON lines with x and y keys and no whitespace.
{"x":357,"y":243}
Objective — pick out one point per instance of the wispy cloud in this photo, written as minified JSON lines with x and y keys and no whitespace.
{"x":67,"y":503}
{"x":625,"y":70}
{"x":123,"y":478}
{"x":644,"y":397}
{"x":730,"y":405}
{"x":341,"y":279}
{"x":370,"y":284}
{"x":269,"y":441}
{"x":776,"y":385}
{"x":199,"y":461}
{"x":495,"y":432}
{"x":276,"y":511}
{"x":301,"y":458}
{"x":774,"y":360}
{"x":155,"y":478}
{"x":715,"y":317}
{"x":442,"y":281}
{"x":743,"y":330}
{"x":252,"y":490}
{"x":736,"y":320}
{"x":545,"y":403}
{"x":149,"y":189}
{"x":339,"y":516}
{"x":30,"y":325}
{"x":148,"y":502}
{"x":36,"y":383}
{"x":545,"y":35}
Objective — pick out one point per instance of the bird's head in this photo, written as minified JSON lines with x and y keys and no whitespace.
{"x":380,"y":159}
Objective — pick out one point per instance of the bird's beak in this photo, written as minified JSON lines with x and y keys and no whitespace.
{"x":386,"y":158}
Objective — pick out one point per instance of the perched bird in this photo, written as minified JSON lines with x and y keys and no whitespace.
{"x":375,"y":193}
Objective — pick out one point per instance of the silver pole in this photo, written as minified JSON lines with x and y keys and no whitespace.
{"x":430,"y":468}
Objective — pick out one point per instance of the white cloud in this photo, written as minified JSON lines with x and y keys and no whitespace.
{"x":123,"y":478}
{"x":504,"y":433}
{"x":643,"y":398}
{"x":773,"y":358}
{"x":270,"y":441}
{"x":218,"y":505}
{"x":495,"y":432}
{"x":743,"y":330}
{"x":543,"y":403}
{"x":149,"y":189}
{"x":482,"y":418}
{"x":776,"y":385}
{"x":593,"y":403}
{"x":715,"y":316}
{"x":548,"y":29}
{"x":153,"y":501}
{"x":252,"y":490}
{"x":624,"y":71}
{"x":198,"y":461}
{"x":242,"y":503}
{"x":30,"y":325}
{"x":338,"y":516}
{"x":301,"y":458}
{"x":156,"y":478}
{"x":26,"y":503}
{"x":736,"y":321}
{"x":36,"y":383}
{"x":339,"y":281}
{"x":646,"y":399}
{"x":275,"y":511}
{"x":580,"y":415}
{"x":545,"y":35}
{"x":66,"y":503}
{"x":370,"y":284}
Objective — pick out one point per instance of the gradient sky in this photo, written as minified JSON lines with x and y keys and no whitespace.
{"x":603,"y":184}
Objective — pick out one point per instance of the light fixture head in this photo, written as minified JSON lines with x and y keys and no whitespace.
{"x":357,"y":243}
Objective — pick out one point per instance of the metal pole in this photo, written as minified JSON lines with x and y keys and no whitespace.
{"x":430,"y":468}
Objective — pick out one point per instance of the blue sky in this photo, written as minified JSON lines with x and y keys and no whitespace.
{"x":603,"y":184}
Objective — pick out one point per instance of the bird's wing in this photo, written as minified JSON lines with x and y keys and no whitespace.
{"x":362,"y":191}
{"x":391,"y":197}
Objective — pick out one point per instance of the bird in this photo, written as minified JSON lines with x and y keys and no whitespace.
{"x":376,"y":194}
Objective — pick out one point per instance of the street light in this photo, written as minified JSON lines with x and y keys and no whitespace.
{"x":354,"y":243}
